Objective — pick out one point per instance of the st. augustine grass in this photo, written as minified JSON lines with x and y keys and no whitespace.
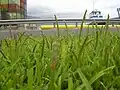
{"x":61,"y":63}
{"x":71,"y":62}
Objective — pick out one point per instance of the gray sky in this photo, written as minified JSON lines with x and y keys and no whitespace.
{"x":44,"y":7}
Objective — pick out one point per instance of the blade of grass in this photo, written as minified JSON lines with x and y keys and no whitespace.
{"x":101,"y":73}
{"x":82,"y":47}
{"x":3,"y":54}
{"x":103,"y":85}
{"x":82,"y":24}
{"x":58,"y":30}
{"x":59,"y":83}
{"x":43,"y":47}
{"x":84,"y":80}
{"x":34,"y":48}
{"x":30,"y":79}
{"x":70,"y":83}
{"x":20,"y":36}
{"x":98,"y":75}
{"x":6,"y":43}
{"x":66,"y":28}
{"x":107,"y":24}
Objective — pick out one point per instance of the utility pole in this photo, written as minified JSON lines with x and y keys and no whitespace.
{"x":93,"y":4}
{"x":118,"y":10}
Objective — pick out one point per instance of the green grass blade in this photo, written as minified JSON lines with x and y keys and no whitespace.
{"x":20,"y":36}
{"x":66,"y":28}
{"x":84,"y":79}
{"x":80,"y":32}
{"x":34,"y":49}
{"x":96,"y":42}
{"x":15,"y":63}
{"x":7,"y":43}
{"x":103,"y":85}
{"x":42,"y":50}
{"x":59,"y":83}
{"x":70,"y":83}
{"x":101,"y":73}
{"x":58,"y":30}
{"x":107,"y":24}
{"x":3,"y":54}
{"x":30,"y":79}
{"x":82,"y":47}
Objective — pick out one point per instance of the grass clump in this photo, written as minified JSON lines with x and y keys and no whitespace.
{"x":69,"y":62}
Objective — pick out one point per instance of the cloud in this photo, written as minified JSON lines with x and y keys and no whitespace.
{"x":48,"y":8}
{"x":44,"y":12}
{"x":40,"y":11}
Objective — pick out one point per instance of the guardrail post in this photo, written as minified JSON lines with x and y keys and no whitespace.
{"x":10,"y":26}
{"x":36,"y":26}
{"x":112,"y":25}
{"x":54,"y":25}
{"x":76,"y":25}
{"x":25,"y":26}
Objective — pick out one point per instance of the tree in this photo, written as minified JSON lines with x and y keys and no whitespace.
{"x":4,"y":15}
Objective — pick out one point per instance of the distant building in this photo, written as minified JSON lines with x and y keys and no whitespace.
{"x":13,"y":9}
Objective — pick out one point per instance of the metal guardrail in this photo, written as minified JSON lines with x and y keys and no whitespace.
{"x":39,"y":22}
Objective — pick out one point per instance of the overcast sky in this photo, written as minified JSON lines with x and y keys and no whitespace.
{"x":79,"y":6}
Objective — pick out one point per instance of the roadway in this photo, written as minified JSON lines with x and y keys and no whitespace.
{"x":50,"y":32}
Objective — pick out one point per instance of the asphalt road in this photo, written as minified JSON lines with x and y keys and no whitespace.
{"x":6,"y":33}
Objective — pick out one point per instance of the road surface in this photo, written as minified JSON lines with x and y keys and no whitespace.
{"x":6,"y":33}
